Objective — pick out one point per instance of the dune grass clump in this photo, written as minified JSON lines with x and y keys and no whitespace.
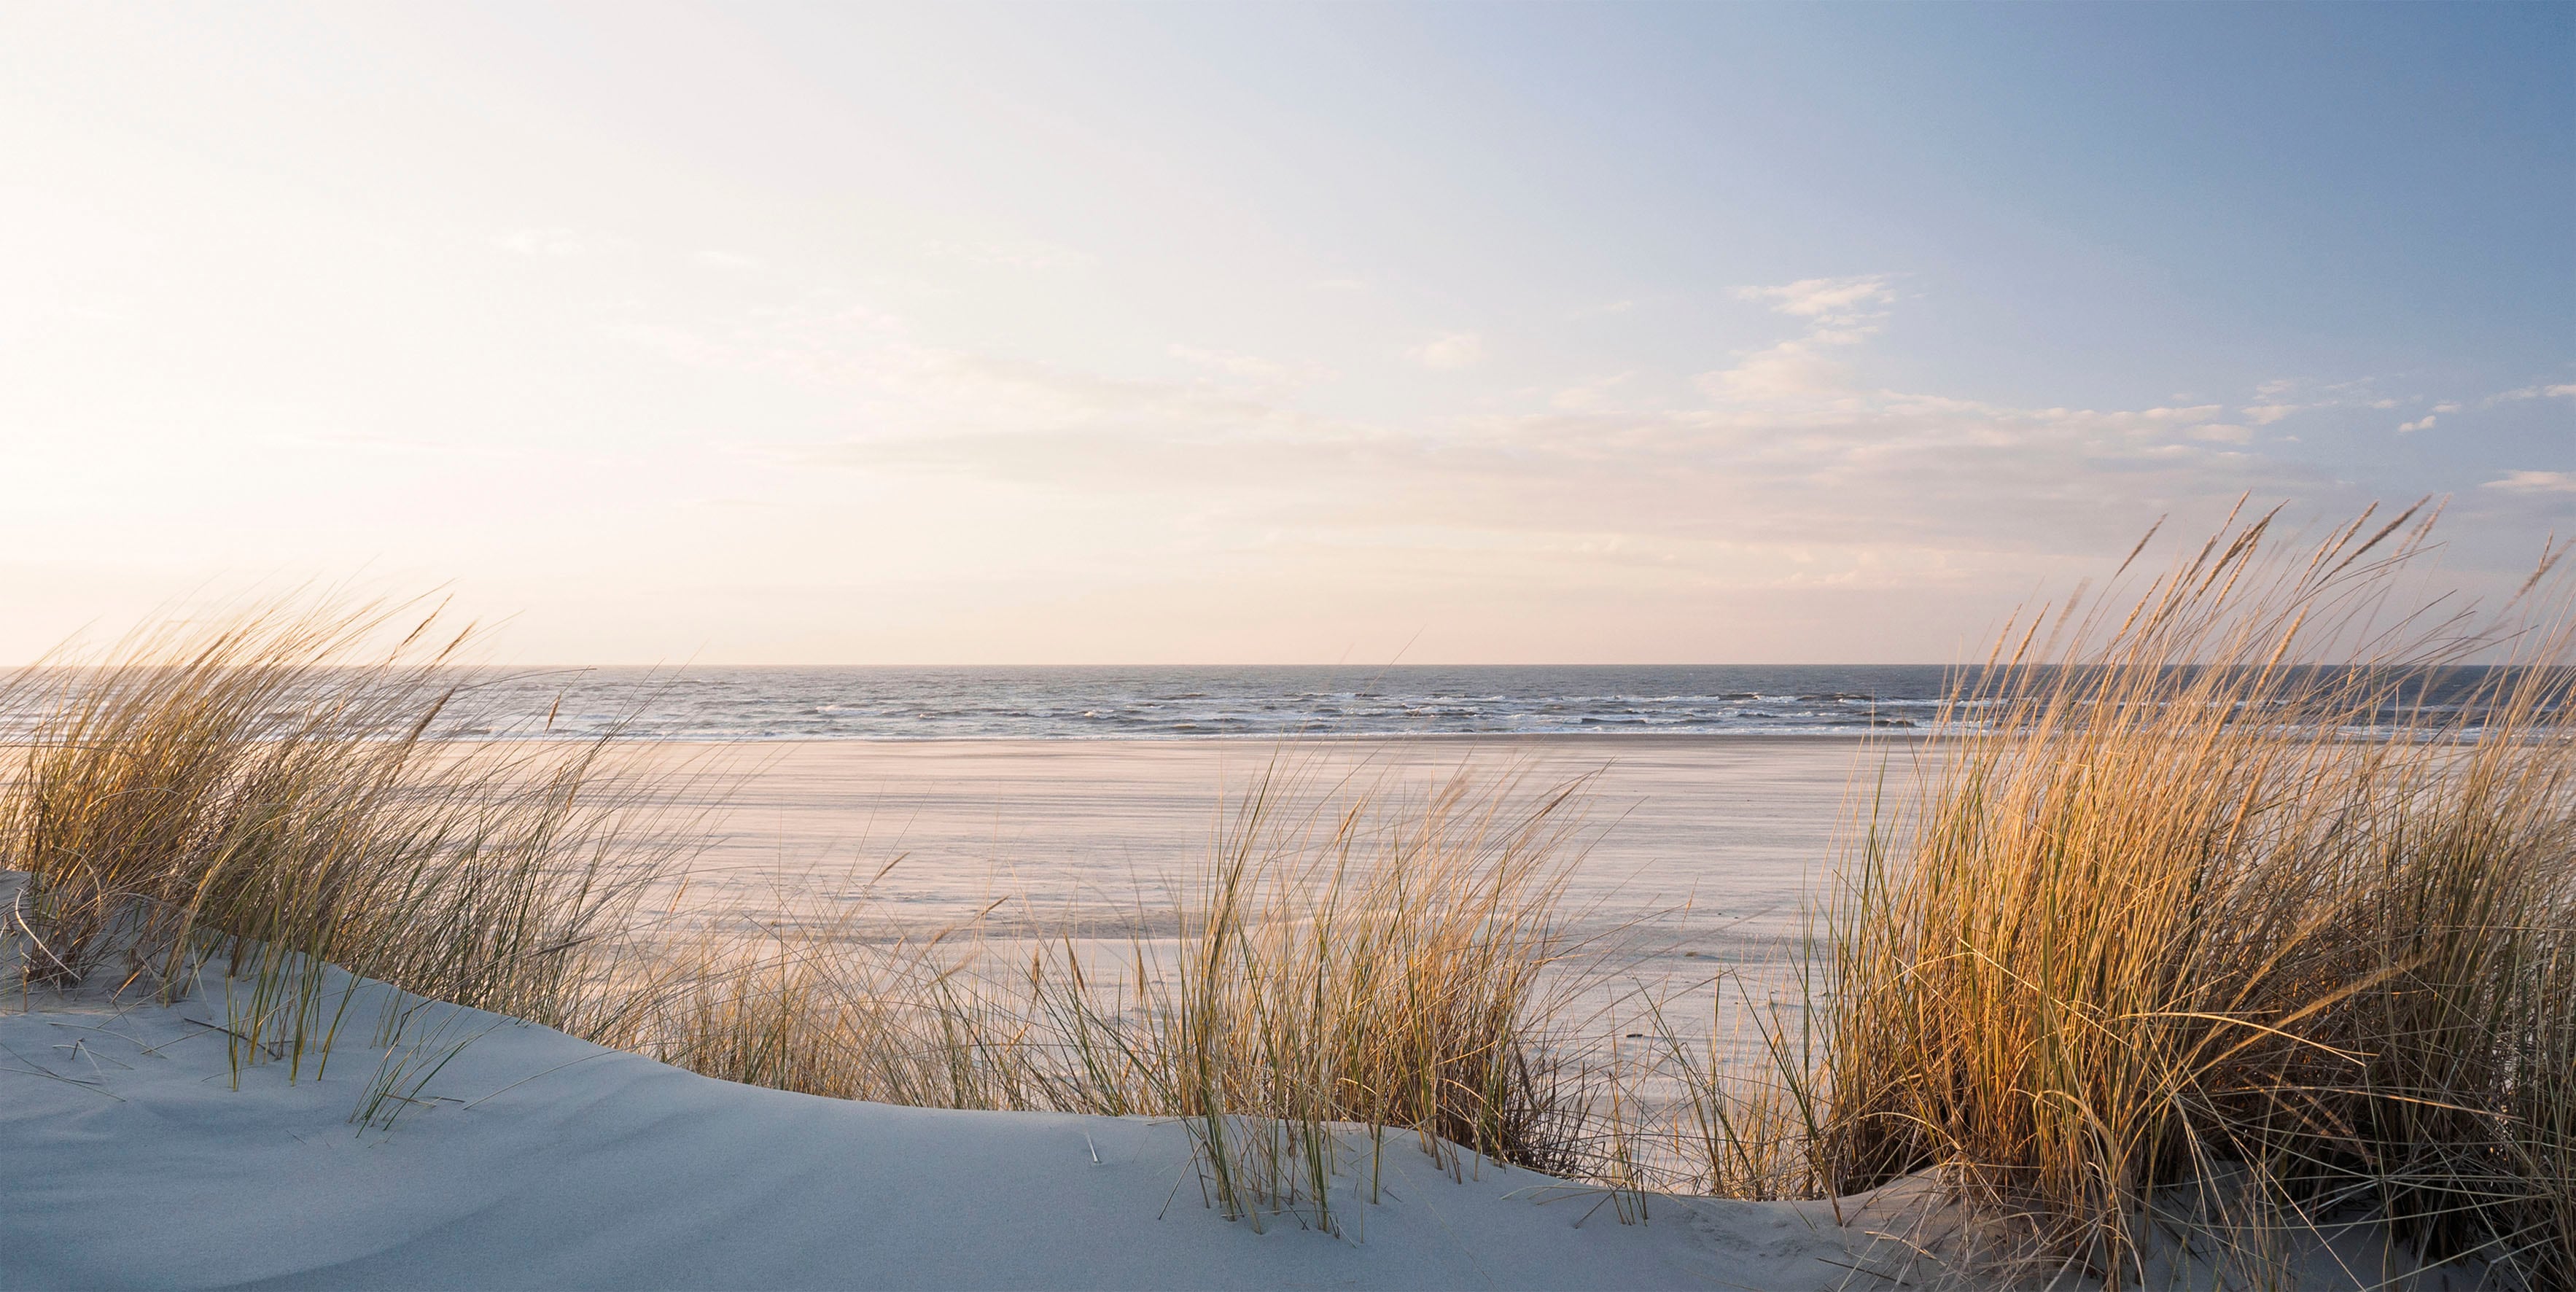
{"x":826,"y":1006}
{"x":1733,"y":1128}
{"x":2192,"y":943}
{"x":266,"y":789}
{"x":2540,"y":1112}
{"x":280,"y":791}
{"x":2201,"y":939}
{"x":1387,"y":968}
{"x":1362,"y":963}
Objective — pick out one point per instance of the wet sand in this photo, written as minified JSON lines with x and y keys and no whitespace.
{"x":1716,"y":836}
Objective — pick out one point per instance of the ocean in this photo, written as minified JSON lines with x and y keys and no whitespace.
{"x":1114,"y":703}
{"x":1237,"y":702}
{"x":1260,"y":702}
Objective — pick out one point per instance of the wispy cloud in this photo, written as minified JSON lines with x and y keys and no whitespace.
{"x":560,"y":242}
{"x":1791,"y":370}
{"x":1787,"y":450}
{"x":1788,"y":469}
{"x":2424,"y":423}
{"x":1602,"y":310}
{"x":1839,"y":312}
{"x":2535,"y":482}
{"x":1026,"y":254}
{"x":1450,"y":351}
{"x":1589,"y":396}
{"x":1842,"y":310}
{"x":1249,"y":367}
{"x":2283,"y":397}
{"x":2567,"y":391}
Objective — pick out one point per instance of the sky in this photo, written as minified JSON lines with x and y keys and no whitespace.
{"x":1260,"y":334}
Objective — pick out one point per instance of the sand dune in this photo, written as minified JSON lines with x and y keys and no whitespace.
{"x":537,"y":1160}
{"x":531,"y":1159}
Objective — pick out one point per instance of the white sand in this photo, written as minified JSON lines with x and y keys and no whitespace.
{"x":538,"y":1160}
{"x":544,"y":1161}
{"x":534,"y":1160}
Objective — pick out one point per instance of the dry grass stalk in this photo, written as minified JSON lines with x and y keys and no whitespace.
{"x":2169,"y":924}
{"x":2164,"y":927}
{"x":266,"y":789}
{"x":1360,"y":965}
{"x":1387,"y":968}
{"x":271,"y":792}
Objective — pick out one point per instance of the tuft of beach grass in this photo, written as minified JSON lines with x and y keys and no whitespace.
{"x":2200,"y":941}
{"x":2188,"y":949}
{"x":1364,"y":962}
{"x":260,"y":794}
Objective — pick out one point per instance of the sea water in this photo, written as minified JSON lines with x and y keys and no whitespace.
{"x":1262,"y":702}
{"x":703,"y":703}
{"x":1076,"y":703}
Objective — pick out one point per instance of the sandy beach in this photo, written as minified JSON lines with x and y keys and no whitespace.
{"x":1719,"y":836}
{"x":533,"y":1159}
{"x":1381,"y":645}
{"x":478,"y":1151}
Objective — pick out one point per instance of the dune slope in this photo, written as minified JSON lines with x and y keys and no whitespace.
{"x":535,"y":1159}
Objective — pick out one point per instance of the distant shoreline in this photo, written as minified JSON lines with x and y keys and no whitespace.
{"x":1885,"y":735}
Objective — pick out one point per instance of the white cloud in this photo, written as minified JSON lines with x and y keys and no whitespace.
{"x":1839,"y":314}
{"x":1342,"y":284}
{"x":559,"y":242}
{"x":1598,"y":311}
{"x":1833,"y":302}
{"x":2273,"y":401}
{"x":1025,"y":254}
{"x":727,"y":260}
{"x":1450,"y":351}
{"x":1588,"y":396}
{"x":2534,"y":392}
{"x":1250,"y":367}
{"x":1790,"y":454}
{"x":1789,"y":371}
{"x":2423,"y":423}
{"x":2535,"y":482}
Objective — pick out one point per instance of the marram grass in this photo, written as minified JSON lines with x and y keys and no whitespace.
{"x":262,"y":788}
{"x":1374,"y":963}
{"x":2197,"y":946}
{"x":2195,"y":913}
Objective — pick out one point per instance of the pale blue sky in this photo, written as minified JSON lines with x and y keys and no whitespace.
{"x":1078,"y":333}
